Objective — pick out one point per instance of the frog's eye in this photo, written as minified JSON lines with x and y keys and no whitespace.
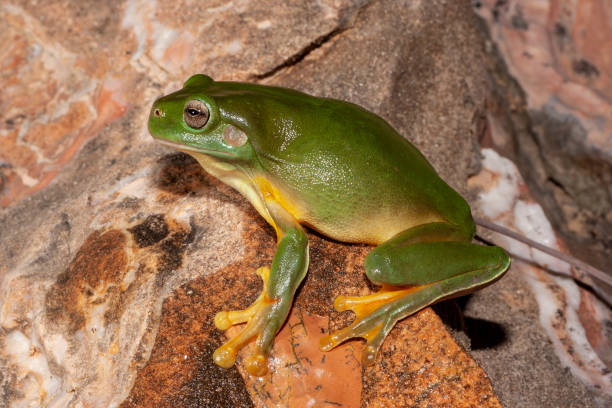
{"x":195,"y":114}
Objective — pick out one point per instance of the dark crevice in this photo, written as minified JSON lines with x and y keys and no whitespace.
{"x":557,"y":184}
{"x":301,"y":54}
{"x":346,"y":22}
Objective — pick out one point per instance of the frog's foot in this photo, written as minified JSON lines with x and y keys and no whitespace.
{"x":376,"y":316}
{"x":258,"y":329}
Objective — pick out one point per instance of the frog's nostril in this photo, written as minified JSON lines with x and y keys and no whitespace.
{"x":157,"y":113}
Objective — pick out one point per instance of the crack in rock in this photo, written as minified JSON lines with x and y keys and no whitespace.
{"x":345,"y":23}
{"x":301,"y":54}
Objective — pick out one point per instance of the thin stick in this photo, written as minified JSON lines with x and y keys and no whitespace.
{"x":601,"y":275}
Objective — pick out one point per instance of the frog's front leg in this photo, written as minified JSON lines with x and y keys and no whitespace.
{"x":266,"y":315}
{"x":416,"y":268}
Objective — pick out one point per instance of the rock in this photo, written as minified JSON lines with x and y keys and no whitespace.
{"x":116,"y":252}
{"x":573,"y":319}
{"x":557,"y":51}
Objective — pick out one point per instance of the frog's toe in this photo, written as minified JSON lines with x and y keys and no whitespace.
{"x":257,"y":318}
{"x":375,"y":319}
{"x":338,"y":337}
{"x":257,"y":364}
{"x":224,"y":356}
{"x":226,"y":319}
{"x":373,"y":328}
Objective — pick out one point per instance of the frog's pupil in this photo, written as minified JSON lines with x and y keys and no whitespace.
{"x":193,"y":112}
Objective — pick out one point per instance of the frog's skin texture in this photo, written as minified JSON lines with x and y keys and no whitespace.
{"x":343,"y":171}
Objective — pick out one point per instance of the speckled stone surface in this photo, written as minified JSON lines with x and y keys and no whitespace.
{"x":115,"y":252}
{"x":559,"y":51}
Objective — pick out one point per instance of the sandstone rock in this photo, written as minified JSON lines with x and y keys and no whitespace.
{"x":558,"y":52}
{"x":115,"y":252}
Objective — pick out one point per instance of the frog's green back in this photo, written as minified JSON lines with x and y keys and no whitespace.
{"x":341,"y":166}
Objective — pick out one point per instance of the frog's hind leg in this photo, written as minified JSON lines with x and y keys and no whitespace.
{"x":416,"y":269}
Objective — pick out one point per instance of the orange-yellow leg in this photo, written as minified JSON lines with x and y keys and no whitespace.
{"x":375,"y":318}
{"x":256,"y":317}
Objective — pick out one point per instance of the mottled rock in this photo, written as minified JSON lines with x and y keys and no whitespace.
{"x":559,"y":53}
{"x":573,"y":318}
{"x":115,"y":252}
{"x":557,"y":127}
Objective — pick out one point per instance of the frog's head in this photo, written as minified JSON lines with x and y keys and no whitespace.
{"x":190,"y":120}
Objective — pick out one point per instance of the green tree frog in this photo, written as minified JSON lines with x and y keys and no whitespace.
{"x":343,"y":171}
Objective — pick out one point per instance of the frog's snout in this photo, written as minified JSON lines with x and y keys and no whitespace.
{"x":156,"y":122}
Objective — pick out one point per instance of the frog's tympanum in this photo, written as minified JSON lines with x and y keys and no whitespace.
{"x":343,"y":171}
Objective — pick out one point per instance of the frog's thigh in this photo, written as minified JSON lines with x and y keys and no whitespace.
{"x":425,"y":263}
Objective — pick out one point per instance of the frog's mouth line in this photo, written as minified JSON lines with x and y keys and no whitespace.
{"x":188,"y":149}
